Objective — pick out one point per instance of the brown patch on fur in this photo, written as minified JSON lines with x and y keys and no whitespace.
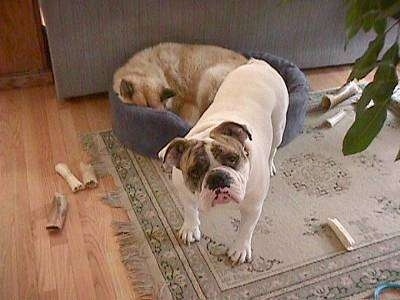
{"x":232,"y":129}
{"x":228,"y":151}
{"x":195,"y":164}
{"x":174,"y":152}
{"x":126,"y":89}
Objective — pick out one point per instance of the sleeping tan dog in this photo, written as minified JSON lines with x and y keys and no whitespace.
{"x":178,"y":77}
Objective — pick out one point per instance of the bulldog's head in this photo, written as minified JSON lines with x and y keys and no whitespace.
{"x":142,"y":90}
{"x":216,"y":169}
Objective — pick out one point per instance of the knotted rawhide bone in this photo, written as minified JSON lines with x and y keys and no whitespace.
{"x":70,"y":178}
{"x":346,"y":91}
{"x":343,"y":235}
{"x":58,"y":212}
{"x":88,"y":175}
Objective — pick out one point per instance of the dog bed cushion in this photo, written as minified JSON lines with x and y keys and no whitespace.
{"x":146,"y":131}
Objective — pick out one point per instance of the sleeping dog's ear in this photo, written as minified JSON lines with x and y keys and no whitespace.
{"x":174,"y":152}
{"x":237,"y":131}
{"x":166,"y":94}
{"x":126,"y":89}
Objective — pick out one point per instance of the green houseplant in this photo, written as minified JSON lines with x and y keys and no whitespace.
{"x":380,"y":16}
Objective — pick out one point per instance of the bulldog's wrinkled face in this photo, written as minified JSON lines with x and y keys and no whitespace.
{"x":142,"y":91}
{"x":216,"y":169}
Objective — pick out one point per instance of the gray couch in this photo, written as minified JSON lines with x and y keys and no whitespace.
{"x":89,"y":39}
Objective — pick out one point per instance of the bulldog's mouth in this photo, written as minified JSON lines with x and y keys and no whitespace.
{"x":220,"y":186}
{"x":210,"y":198}
{"x":222,"y":196}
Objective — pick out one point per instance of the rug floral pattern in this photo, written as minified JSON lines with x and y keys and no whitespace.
{"x":295,"y":255}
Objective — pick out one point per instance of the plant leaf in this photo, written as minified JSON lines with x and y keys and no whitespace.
{"x":354,"y":18}
{"x":364,"y":129}
{"x":385,"y":80}
{"x":380,"y":26}
{"x":390,"y":8}
{"x":378,"y":91}
{"x":367,"y":125}
{"x":366,"y":97}
{"x":363,"y":14}
{"x":351,"y":32}
{"x":385,"y":4}
{"x":387,"y":66}
{"x":369,"y":20}
{"x":367,"y":62}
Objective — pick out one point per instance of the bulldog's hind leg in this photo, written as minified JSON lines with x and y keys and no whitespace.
{"x":272,"y":167}
{"x":278,"y":119}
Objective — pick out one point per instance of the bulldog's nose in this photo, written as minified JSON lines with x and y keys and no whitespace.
{"x":218,"y":179}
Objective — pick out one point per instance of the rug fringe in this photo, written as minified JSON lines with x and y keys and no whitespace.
{"x":132,"y":252}
{"x":134,"y":258}
{"x":97,"y":154}
{"x":115,"y":198}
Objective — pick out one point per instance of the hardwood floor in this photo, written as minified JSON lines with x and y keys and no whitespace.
{"x":82,"y":261}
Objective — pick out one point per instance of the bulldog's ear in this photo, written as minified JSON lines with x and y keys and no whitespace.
{"x":232,"y":129}
{"x":166,"y":94}
{"x":175,"y":151}
{"x":126,"y":89}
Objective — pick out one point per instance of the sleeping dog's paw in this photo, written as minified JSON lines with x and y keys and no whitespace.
{"x":240,"y":252}
{"x":189,"y":233}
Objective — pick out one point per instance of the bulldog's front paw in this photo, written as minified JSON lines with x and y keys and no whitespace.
{"x":240,"y":252}
{"x":189,"y":233}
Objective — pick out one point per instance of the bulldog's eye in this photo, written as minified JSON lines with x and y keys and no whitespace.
{"x":232,"y":159}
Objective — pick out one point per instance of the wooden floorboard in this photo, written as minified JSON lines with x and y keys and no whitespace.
{"x":82,"y":261}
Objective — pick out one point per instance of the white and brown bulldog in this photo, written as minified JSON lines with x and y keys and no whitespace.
{"x":228,"y":155}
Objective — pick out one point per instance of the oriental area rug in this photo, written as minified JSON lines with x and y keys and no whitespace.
{"x":295,"y":255}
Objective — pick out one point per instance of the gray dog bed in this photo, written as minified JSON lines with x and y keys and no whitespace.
{"x":146,"y":131}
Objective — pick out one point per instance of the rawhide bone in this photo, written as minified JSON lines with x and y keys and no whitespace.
{"x":63,"y":170}
{"x":88,"y":175}
{"x":58,"y":212}
{"x":343,"y":235}
{"x":332,"y":121}
{"x":330,"y":100}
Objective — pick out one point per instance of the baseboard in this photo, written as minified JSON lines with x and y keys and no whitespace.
{"x":23,"y":80}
